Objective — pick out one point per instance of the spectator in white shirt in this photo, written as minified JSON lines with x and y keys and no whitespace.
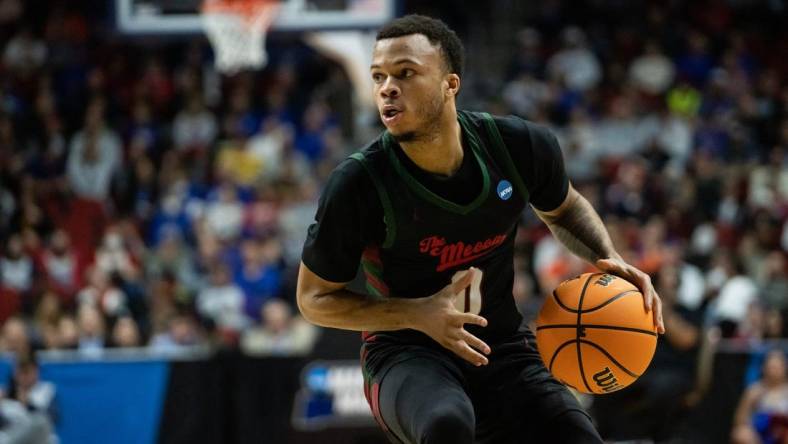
{"x":194,"y":127}
{"x":652,"y":72}
{"x":94,"y":157}
{"x":222,"y":301}
{"x":577,"y":65}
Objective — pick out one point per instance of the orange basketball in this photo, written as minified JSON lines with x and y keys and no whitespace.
{"x":594,"y":333}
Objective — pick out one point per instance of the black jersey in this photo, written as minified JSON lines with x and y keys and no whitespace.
{"x":411,"y":230}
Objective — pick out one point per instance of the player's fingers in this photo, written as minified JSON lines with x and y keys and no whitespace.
{"x":463,"y":350}
{"x":658,"y":321}
{"x":475,"y":342}
{"x":647,"y":288}
{"x":608,"y":265}
{"x":470,"y":318}
{"x":463,"y":282}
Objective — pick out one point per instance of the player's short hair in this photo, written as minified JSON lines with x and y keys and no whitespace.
{"x":437,"y":32}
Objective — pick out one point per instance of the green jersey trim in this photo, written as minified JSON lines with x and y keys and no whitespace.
{"x":503,"y":154}
{"x":388,"y":211}
{"x":428,"y":195}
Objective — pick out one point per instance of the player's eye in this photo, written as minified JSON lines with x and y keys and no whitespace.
{"x":407,"y":73}
{"x":377,"y":77}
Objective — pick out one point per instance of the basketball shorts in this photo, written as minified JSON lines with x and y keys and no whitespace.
{"x":423,"y":394}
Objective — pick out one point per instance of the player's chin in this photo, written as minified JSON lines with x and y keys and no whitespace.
{"x":396,"y":128}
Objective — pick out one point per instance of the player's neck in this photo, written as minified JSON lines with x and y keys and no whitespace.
{"x":442,"y":152}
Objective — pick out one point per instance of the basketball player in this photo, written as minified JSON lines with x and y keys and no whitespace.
{"x":440,"y":191}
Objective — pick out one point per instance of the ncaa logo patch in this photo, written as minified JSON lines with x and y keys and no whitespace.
{"x":504,"y":190}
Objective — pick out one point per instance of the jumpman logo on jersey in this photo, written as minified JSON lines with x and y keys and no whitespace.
{"x":457,"y":253}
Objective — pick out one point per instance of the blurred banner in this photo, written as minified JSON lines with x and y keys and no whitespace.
{"x":102,"y":402}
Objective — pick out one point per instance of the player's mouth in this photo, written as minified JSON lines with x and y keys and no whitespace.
{"x":390,"y":114}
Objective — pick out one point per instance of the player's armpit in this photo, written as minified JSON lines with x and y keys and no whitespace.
{"x":311,"y":286}
{"x":570,"y":200}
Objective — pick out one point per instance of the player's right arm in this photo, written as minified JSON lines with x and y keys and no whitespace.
{"x":349,"y":218}
{"x":331,"y":304}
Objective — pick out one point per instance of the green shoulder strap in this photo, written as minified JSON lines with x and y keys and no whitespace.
{"x":388,"y":210}
{"x":501,"y":154}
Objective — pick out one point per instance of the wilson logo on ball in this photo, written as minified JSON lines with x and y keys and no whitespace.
{"x":606,"y":380}
{"x":604,"y":280}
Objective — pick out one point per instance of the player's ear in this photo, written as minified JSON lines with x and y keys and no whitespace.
{"x":453,"y":84}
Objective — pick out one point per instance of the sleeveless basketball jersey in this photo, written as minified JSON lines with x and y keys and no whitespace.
{"x":429,"y":238}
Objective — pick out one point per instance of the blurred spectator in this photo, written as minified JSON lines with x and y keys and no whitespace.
{"x":298,"y":207}
{"x":773,"y":281}
{"x":15,"y":337}
{"x":581,"y":147}
{"x":113,"y":256}
{"x":575,"y":63}
{"x":222,"y":302}
{"x":652,"y":71}
{"x":16,"y":267}
{"x":526,"y":94}
{"x":125,"y":333}
{"x":237,"y":164}
{"x":61,"y":266}
{"x":144,"y":134}
{"x":36,"y":395}
{"x":47,"y":316}
{"x":769,"y":182}
{"x":696,"y":63}
{"x":269,"y":147}
{"x":18,"y":425}
{"x":91,"y":327}
{"x":68,"y":333}
{"x":762,"y":414}
{"x":317,"y":126}
{"x":171,"y":216}
{"x":102,"y":293}
{"x":94,"y":156}
{"x":258,"y":274}
{"x":279,"y":332}
{"x":195,"y":128}
{"x":528,"y":56}
{"x":24,"y":53}
{"x":173,"y":257}
{"x":94,"y":159}
{"x":224,"y":214}
{"x":735,"y":297}
{"x":181,"y":332}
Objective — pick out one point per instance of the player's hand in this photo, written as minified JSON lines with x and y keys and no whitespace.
{"x":445,"y":324}
{"x":641,"y":280}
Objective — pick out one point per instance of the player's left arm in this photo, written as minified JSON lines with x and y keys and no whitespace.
{"x":578,"y":226}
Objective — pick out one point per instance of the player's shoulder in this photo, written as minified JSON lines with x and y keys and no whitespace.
{"x":352,"y":173}
{"x":515,"y":130}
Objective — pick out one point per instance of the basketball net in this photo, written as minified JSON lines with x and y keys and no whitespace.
{"x":237,"y":30}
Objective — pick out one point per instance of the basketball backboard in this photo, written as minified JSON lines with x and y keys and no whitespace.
{"x":183,"y":17}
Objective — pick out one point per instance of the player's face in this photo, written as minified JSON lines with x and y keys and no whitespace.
{"x":410,"y":82}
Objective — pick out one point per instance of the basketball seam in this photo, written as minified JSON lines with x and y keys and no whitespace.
{"x":612,"y":299}
{"x":555,"y":353}
{"x":579,"y":314}
{"x":609,"y":356}
{"x":600,"y":327}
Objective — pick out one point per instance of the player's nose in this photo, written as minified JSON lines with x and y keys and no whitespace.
{"x":390,"y":89}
